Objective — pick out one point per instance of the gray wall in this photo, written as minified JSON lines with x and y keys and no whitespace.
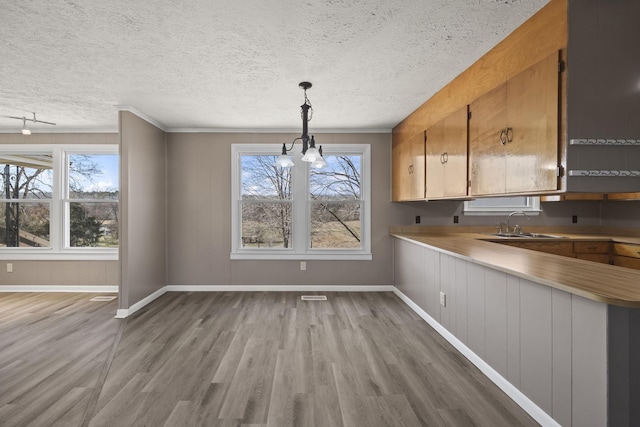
{"x":60,"y":273}
{"x":199,"y":209}
{"x":143,"y":238}
{"x":441,"y":213}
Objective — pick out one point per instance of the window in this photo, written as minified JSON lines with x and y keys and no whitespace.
{"x":59,"y":202}
{"x":300,"y":212}
{"x":502,"y":205}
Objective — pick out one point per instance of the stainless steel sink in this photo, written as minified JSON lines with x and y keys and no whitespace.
{"x":526,"y":236}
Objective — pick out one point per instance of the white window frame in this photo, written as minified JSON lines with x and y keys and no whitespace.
{"x":301,"y":203}
{"x":58,"y":216}
{"x":529,"y":204}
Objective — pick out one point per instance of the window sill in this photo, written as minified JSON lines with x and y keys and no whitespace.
{"x":50,"y":255}
{"x":303,"y":257}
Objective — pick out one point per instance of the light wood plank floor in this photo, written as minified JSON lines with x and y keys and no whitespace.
{"x":236,"y":359}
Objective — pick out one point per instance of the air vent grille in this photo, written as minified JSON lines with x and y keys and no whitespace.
{"x":103,"y":298}
{"x":313,"y":298}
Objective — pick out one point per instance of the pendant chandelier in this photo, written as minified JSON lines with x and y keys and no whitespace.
{"x":310,"y":153}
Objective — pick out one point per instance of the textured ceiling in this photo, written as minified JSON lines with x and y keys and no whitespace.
{"x":237,"y":64}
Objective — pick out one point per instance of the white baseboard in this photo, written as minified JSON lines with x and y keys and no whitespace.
{"x":126,"y":312}
{"x":56,"y":288}
{"x":277,"y":288}
{"x":510,"y":390}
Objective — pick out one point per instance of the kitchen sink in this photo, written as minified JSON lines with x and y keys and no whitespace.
{"x":526,"y":236}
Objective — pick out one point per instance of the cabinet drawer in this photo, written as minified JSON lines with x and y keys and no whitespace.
{"x":601,"y":258}
{"x":556,"y":248}
{"x":591,"y":247}
{"x":624,"y":261}
{"x":626,"y":249}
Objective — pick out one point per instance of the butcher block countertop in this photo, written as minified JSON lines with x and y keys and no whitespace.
{"x":596,"y":281}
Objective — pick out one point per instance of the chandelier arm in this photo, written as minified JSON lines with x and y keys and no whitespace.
{"x":292,"y":144}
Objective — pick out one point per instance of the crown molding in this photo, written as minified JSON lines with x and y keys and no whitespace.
{"x":273,"y":130}
{"x":62,"y":130}
{"x":142,"y":115}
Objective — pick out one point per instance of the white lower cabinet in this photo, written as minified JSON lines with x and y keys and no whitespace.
{"x":549,"y":344}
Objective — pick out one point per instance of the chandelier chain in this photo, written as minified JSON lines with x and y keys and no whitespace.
{"x":307,"y":102}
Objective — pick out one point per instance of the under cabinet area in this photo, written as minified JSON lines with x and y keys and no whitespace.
{"x":446,"y":149}
{"x":408,"y":169}
{"x":513,"y":133}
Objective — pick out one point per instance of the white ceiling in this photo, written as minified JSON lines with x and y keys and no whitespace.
{"x":204,"y":64}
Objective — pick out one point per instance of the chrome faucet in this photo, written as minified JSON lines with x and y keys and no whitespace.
{"x":516,"y":229}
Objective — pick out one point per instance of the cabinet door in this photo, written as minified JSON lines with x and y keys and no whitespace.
{"x":417,"y":167}
{"x":446,"y":149}
{"x":487,"y":163}
{"x":408,"y":169}
{"x":400,"y":160}
{"x":513,"y":134}
{"x":532,"y":120}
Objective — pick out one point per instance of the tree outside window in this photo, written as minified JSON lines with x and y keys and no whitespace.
{"x":336,"y":203}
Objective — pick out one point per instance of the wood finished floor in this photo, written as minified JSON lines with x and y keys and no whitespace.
{"x":236,"y":359}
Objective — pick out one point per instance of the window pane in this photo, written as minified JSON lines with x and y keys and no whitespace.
{"x":501,"y":202}
{"x":93,"y":176}
{"x":339,"y":180}
{"x":262,"y":179}
{"x":335,"y":225}
{"x":266,"y":225}
{"x":24,"y":224}
{"x":26,"y":176}
{"x":93,"y":224}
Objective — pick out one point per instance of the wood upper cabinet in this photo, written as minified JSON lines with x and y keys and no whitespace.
{"x":408,"y":169}
{"x":513,"y":134}
{"x":446,"y":149}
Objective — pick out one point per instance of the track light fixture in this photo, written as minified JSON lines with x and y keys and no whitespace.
{"x":25,"y":129}
{"x":310,"y":153}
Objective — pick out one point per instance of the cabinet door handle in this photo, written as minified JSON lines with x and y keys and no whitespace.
{"x":444,"y":158}
{"x":503,"y":136}
{"x":410,"y":169}
{"x":509,"y":134}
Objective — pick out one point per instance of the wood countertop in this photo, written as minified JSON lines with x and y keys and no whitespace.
{"x":596,"y":281}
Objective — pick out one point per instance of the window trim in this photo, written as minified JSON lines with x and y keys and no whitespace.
{"x":300,"y":234}
{"x":56,"y":250}
{"x":531,"y":207}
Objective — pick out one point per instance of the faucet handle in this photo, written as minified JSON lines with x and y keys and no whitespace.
{"x":517,"y":229}
{"x":502,"y":226}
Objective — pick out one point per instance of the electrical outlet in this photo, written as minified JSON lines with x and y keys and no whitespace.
{"x":574,"y":219}
{"x":417,"y":219}
{"x":303,"y":265}
{"x":456,"y":219}
{"x":9,"y":267}
{"x":443,"y":299}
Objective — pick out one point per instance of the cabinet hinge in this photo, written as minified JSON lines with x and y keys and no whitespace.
{"x":560,"y":171}
{"x":469,"y":115}
{"x":561,"y":67}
